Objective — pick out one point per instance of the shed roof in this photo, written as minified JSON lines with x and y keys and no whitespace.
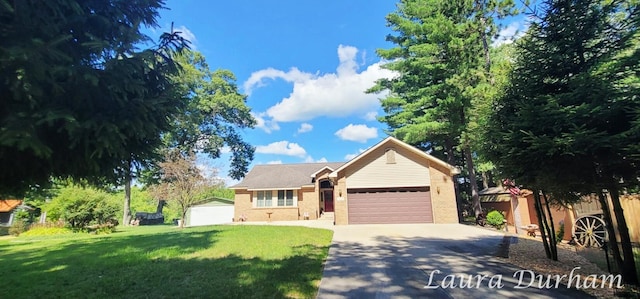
{"x":7,"y":205}
{"x":214,"y":201}
{"x":282,"y":176}
{"x":493,"y":191}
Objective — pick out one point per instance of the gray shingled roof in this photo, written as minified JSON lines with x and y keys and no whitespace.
{"x":281,"y":176}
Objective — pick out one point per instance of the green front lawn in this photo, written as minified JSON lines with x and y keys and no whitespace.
{"x":165,"y":262}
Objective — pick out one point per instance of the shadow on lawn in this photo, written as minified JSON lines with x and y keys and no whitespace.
{"x":156,"y":266}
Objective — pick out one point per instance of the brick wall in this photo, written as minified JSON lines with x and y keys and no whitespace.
{"x":243,"y":205}
{"x":341,"y":210}
{"x":443,"y":196}
{"x":308,"y":201}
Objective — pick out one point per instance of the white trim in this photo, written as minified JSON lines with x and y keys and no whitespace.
{"x":452,"y":169}
{"x":274,"y":189}
{"x":313,"y":175}
{"x":274,"y":198}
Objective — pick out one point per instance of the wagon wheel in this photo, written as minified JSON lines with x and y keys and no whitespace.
{"x":589,"y":231}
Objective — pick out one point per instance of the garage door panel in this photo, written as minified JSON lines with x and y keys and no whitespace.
{"x":390,"y":207}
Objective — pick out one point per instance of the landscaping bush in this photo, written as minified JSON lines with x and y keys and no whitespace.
{"x":18,"y":227}
{"x":495,"y":219}
{"x":47,"y":229}
{"x":81,"y":207}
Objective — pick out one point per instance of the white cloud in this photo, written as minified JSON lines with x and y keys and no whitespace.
{"x":310,"y":159}
{"x":336,"y":94}
{"x":305,"y":127}
{"x":351,"y":156}
{"x":225,"y":150}
{"x":266,"y":125}
{"x":509,"y":34}
{"x":207,"y":170}
{"x":358,"y":133}
{"x":282,"y":148}
{"x":371,"y":116}
{"x":186,"y":34}
{"x":257,"y":78}
{"x":275,"y":162}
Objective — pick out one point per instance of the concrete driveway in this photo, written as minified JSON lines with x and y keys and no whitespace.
{"x":397,"y":261}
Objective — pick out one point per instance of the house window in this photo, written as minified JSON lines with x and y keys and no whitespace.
{"x":285,"y":198}
{"x":263,"y":199}
{"x":289,"y":199}
{"x":391,"y":156}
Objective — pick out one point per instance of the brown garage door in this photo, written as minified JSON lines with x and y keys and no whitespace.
{"x":389,"y":206}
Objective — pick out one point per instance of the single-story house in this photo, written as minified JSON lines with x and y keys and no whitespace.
{"x":8,"y":207}
{"x":210,"y":212}
{"x":391,"y":182}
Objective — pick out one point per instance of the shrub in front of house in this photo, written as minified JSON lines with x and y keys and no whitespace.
{"x":18,"y":227}
{"x":495,"y":219}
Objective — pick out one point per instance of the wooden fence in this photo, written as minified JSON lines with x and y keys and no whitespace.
{"x":631,"y":206}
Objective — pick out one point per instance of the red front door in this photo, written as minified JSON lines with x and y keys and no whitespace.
{"x":328,"y":201}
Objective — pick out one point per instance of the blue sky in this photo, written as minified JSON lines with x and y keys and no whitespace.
{"x":304,"y":66}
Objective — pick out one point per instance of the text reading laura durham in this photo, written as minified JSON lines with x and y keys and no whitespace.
{"x":523,"y":279}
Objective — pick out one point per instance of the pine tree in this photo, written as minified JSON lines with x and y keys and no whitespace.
{"x":565,"y":122}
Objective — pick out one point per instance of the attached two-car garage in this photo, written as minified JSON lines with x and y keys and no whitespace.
{"x":395,"y":205}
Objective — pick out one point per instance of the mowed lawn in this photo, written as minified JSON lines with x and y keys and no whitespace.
{"x":239,"y":261}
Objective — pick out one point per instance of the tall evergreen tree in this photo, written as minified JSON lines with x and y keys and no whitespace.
{"x":566,"y":121}
{"x":79,"y":98}
{"x":440,"y":57}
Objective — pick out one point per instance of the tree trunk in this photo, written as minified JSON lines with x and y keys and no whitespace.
{"x":161,"y":203}
{"x":485,"y":180}
{"x":126,"y":215}
{"x":542,"y":223}
{"x":628,"y":272}
{"x":183,"y":217}
{"x":482,"y":30}
{"x":613,"y":241}
{"x":475,"y":197}
{"x":552,"y":230}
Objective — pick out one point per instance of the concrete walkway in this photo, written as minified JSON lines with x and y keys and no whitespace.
{"x":397,"y":261}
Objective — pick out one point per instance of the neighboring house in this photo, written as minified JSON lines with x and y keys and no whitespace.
{"x":391,"y":182}
{"x":521,"y":206}
{"x":8,"y":208}
{"x":210,"y":212}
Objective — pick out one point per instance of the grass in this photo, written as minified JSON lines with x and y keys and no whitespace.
{"x":165,"y":262}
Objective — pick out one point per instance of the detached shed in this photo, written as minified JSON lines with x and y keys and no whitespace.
{"x":210,"y":212}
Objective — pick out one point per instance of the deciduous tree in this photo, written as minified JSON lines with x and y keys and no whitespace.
{"x":181,"y":181}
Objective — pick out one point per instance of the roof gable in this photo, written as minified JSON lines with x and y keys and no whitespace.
{"x":389,"y":141}
{"x":282,"y":176}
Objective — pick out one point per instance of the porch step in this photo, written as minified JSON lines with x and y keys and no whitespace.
{"x":327,"y":216}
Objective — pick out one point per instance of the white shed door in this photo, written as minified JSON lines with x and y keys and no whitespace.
{"x":210,"y":215}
